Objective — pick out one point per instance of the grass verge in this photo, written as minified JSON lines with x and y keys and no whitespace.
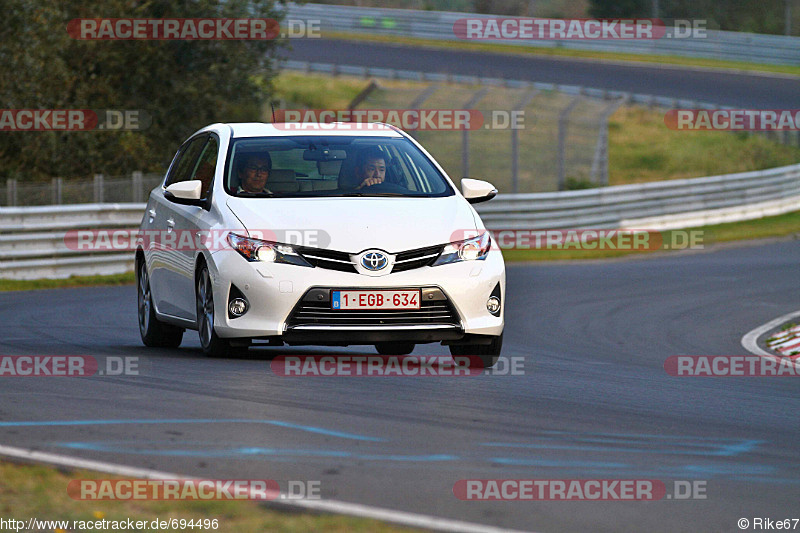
{"x":40,"y":492}
{"x":767,"y":227}
{"x":74,"y":281}
{"x":316,"y":91}
{"x":646,"y":60}
{"x":641,"y":148}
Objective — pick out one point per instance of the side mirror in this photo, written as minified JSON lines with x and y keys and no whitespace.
{"x":185,"y":193}
{"x":477,"y":191}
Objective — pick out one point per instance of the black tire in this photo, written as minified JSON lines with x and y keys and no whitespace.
{"x":212,"y":345}
{"x":395,"y":348}
{"x":154,"y":332}
{"x":489,"y":354}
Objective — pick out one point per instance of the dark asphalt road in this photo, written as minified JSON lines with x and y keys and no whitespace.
{"x":594,"y":402}
{"x":724,"y":88}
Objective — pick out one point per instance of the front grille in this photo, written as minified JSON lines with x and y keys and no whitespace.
{"x":314,"y":309}
{"x":342,"y":261}
{"x":416,"y":258}
{"x":329,"y":259}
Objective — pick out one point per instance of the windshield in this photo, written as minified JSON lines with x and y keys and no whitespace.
{"x":314,"y":166}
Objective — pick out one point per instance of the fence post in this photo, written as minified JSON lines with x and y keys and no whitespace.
{"x":136,"y":184}
{"x":521,"y":105}
{"x":465,"y":132}
{"x":600,"y":159}
{"x":420,"y":99}
{"x":362,"y":96}
{"x":562,"y":140}
{"x":98,"y":189}
{"x":11,"y":192}
{"x":56,"y":197}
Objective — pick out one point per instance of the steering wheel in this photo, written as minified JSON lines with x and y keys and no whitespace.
{"x":384,"y":186}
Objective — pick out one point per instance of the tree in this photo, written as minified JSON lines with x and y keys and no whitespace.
{"x":758,"y":16}
{"x":619,"y":8}
{"x":182,"y":85}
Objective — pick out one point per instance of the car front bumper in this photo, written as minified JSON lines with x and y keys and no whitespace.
{"x":274,"y":291}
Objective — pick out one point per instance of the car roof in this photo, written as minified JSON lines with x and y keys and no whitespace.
{"x":338,"y":129}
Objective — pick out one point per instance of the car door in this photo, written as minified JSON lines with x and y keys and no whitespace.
{"x":190,"y":222}
{"x":166,"y":269}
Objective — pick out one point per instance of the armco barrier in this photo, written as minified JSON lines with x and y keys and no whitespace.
{"x":438,"y":25}
{"x":685,"y":200}
{"x":32,"y":244}
{"x":32,"y":238}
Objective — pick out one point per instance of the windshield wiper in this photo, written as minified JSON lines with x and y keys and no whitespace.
{"x":395,"y":194}
{"x":255,"y":195}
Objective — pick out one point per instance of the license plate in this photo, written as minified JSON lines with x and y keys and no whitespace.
{"x":379,"y":299}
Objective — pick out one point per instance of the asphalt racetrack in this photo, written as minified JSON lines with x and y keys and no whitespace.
{"x":747,"y":91}
{"x":594,"y":401}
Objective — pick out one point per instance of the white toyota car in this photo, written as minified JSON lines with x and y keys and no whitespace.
{"x":324,"y":234}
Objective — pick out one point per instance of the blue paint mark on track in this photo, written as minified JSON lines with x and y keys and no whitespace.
{"x":256,"y":451}
{"x":635,"y":443}
{"x":555,"y":463}
{"x":310,"y":429}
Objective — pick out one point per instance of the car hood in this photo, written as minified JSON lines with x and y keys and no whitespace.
{"x":356,"y":224}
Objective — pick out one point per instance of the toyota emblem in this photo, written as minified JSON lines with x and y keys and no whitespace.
{"x":374,"y":261}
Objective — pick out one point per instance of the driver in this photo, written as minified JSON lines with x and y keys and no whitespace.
{"x":371,"y":168}
{"x":253,"y":172}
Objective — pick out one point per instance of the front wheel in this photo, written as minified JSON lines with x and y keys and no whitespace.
{"x":489,"y":354}
{"x":212,"y":345}
{"x":154,"y":333}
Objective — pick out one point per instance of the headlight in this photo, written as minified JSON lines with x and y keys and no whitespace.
{"x":265,"y":251}
{"x":476,"y":248}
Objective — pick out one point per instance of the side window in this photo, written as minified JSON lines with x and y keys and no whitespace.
{"x":183,"y":168}
{"x":207,"y":165}
{"x":396,"y":172}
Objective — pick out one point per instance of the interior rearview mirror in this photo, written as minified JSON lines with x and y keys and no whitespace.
{"x":324,"y":154}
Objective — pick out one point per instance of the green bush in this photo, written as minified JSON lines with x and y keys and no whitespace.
{"x":182,"y":85}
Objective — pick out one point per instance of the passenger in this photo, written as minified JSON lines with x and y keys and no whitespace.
{"x":371,"y":167}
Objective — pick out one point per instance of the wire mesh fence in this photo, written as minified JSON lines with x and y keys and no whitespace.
{"x":529,"y":140}
{"x":99,"y":189}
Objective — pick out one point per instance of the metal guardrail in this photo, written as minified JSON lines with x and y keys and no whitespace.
{"x":662,"y":203}
{"x":438,"y":25}
{"x":33,"y":240}
{"x":33,"y":244}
